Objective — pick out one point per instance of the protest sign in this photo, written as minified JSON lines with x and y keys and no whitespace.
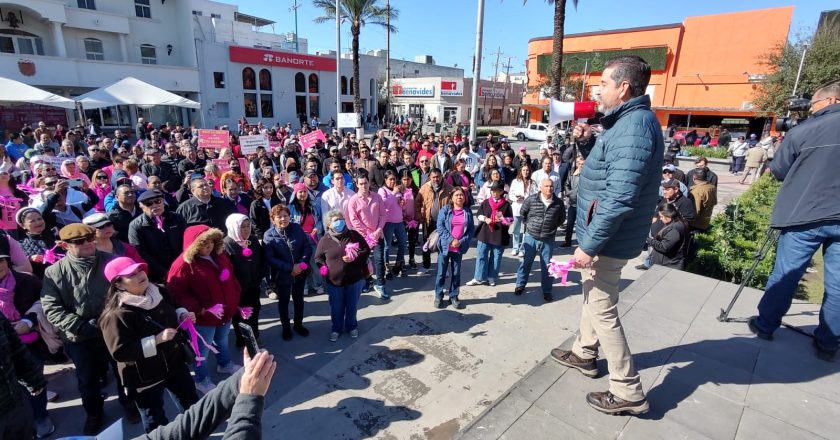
{"x":215,"y":139}
{"x":309,"y":139}
{"x":249,"y":144}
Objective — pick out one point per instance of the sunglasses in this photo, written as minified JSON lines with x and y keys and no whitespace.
{"x":102,"y":177}
{"x":49,"y":169}
{"x":152,"y":202}
{"x":81,"y":240}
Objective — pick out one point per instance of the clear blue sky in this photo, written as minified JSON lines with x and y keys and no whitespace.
{"x":445,"y":29}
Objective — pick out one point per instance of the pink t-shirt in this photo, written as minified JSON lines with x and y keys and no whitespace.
{"x":391,"y":201}
{"x":458,"y":222}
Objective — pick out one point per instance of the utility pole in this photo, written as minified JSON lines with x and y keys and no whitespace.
{"x":493,"y":89}
{"x":388,"y":62}
{"x":295,"y":8}
{"x":479,"y":32}
{"x":504,"y":95}
{"x":337,"y":62}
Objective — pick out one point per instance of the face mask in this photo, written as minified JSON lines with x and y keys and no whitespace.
{"x":339,"y":226}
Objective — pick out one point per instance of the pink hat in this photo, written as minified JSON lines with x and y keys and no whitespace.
{"x":299,"y":187}
{"x":122,"y":266}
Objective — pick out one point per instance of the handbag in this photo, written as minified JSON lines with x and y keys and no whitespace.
{"x":432,"y":242}
{"x":181,"y":339}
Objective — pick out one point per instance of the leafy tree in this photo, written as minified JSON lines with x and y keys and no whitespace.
{"x":822,"y":64}
{"x":358,"y":13}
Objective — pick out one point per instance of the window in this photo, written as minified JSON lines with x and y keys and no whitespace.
{"x":265,"y":79}
{"x":198,"y":13}
{"x":300,"y":83}
{"x":314,"y":108}
{"x":250,"y":101}
{"x":148,"y":54}
{"x":249,"y":79}
{"x":300,"y":107}
{"x":115,"y":116}
{"x":86,"y":4}
{"x":142,"y":9}
{"x":17,"y":41}
{"x":266,"y":105}
{"x":372,"y":87}
{"x":313,"y":83}
{"x":219,"y":79}
{"x":343,"y":85}
{"x":212,"y":15}
{"x":93,"y":49}
{"x":352,"y":87}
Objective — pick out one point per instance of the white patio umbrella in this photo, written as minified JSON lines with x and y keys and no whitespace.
{"x":132,"y":91}
{"x":12,"y":91}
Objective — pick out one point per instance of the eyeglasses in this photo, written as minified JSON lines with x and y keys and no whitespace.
{"x":80,"y":240}
{"x":152,"y":202}
{"x":49,"y":169}
{"x":102,"y":177}
{"x":823,"y":99}
{"x":50,"y":183}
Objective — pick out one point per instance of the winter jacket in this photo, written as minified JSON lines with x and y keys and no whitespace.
{"x":705,"y":199}
{"x":243,"y":413}
{"x":248,"y":270}
{"x":756,"y":156}
{"x":668,"y":246}
{"x":129,"y":334}
{"x":73,"y":295}
{"x":499,"y":234}
{"x":424,"y":202}
{"x":619,"y":183}
{"x":17,"y":367}
{"x":121,"y":220}
{"x":213,"y":213}
{"x":284,"y":249}
{"x":542,"y":222}
{"x":444,"y":228}
{"x":261,"y":216}
{"x":196,"y":283}
{"x":158,"y":248}
{"x":330,"y":253}
{"x":804,"y":163}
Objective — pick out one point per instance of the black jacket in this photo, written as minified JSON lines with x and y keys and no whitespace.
{"x":167,"y":175}
{"x":668,"y":246}
{"x":158,"y":248}
{"x":684,"y":205}
{"x":121,"y":219}
{"x":261,"y":216}
{"x":213,"y":213}
{"x":805,"y":163}
{"x":248,"y":270}
{"x":499,"y":234}
{"x":542,"y":222}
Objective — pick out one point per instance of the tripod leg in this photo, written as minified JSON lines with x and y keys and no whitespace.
{"x":769,"y":241}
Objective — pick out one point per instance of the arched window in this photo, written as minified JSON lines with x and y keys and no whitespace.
{"x":249,"y":79}
{"x":18,"y":41}
{"x":265,"y":79}
{"x":300,"y":83}
{"x":93,"y":49}
{"x":313,"y":83}
{"x":148,"y":54}
{"x":343,"y":85}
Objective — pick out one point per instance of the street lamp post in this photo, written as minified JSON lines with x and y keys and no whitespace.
{"x":479,"y":32}
{"x":799,"y":72}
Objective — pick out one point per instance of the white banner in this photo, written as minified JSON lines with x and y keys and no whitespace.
{"x":417,"y":90}
{"x":348,"y":120}
{"x":249,"y":144}
{"x":491,"y":92}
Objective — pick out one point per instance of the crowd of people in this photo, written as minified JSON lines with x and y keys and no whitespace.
{"x":112,"y":248}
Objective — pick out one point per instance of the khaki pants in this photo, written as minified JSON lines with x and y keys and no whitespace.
{"x":601,"y":328}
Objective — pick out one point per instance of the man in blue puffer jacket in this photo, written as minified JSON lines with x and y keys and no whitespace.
{"x":618,"y":190}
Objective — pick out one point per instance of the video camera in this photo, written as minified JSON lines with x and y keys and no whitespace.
{"x":796,"y":104}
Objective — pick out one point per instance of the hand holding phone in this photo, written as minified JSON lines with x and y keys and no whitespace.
{"x":250,"y":339}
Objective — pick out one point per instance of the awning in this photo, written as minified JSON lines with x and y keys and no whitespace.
{"x":132,"y":91}
{"x":12,"y":91}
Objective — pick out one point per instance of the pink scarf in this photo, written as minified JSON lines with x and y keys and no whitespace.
{"x":159,"y":223}
{"x":494,"y":209}
{"x":7,"y":298}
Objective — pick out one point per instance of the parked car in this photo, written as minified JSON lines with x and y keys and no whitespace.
{"x":534,"y":131}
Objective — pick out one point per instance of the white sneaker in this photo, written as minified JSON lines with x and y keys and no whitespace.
{"x":333,"y":336}
{"x":354,"y":333}
{"x":205,"y":386}
{"x":229,"y":368}
{"x":514,"y":253}
{"x":474,"y":282}
{"x":492,"y":282}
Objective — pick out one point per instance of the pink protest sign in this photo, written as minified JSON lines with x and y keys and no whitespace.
{"x":216,"y":139}
{"x":309,"y":139}
{"x":224,"y":166}
{"x":274,"y":145}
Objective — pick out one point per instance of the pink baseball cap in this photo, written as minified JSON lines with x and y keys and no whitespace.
{"x":299,"y":187}
{"x":122,"y":266}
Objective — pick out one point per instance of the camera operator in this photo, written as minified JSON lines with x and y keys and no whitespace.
{"x":807,"y":211}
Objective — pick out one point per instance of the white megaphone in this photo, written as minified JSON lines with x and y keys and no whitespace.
{"x":560,"y":111}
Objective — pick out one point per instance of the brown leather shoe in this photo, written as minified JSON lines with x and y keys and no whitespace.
{"x":565,"y":357}
{"x":609,"y":403}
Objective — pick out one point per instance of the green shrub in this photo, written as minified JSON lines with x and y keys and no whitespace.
{"x":717,"y":153}
{"x":486,"y":131}
{"x":727,"y":250}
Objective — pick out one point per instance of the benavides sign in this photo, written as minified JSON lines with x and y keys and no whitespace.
{"x":250,"y":55}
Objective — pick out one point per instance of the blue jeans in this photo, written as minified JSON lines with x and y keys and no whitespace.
{"x":532,"y":247}
{"x":218,"y":336}
{"x":448,"y":260}
{"x":796,"y":247}
{"x":517,"y":233}
{"x":487,"y":261}
{"x":91,"y":358}
{"x":395,"y":229}
{"x":378,"y":256}
{"x":344,"y":302}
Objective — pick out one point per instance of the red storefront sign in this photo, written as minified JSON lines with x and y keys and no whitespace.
{"x":13,"y":117}
{"x":448,"y":85}
{"x":250,"y":55}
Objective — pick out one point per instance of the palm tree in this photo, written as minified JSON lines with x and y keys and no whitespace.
{"x":359,"y":13}
{"x":557,"y":47}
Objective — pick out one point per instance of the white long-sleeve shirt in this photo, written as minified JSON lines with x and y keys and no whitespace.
{"x":517,"y":189}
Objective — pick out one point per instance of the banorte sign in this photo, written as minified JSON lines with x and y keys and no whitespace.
{"x":250,"y":55}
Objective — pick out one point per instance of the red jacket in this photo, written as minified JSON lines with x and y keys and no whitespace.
{"x":195,"y":283}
